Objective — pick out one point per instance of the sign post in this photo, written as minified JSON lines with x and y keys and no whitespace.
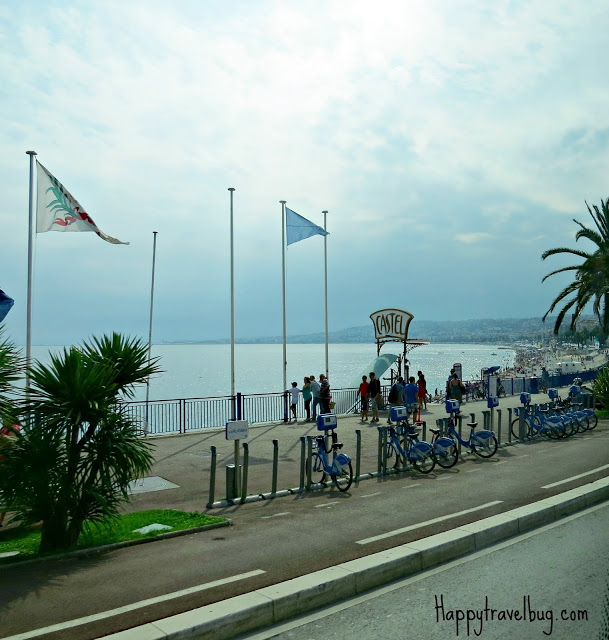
{"x":235,"y":430}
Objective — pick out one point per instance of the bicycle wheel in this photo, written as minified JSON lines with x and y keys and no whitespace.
{"x":393,"y":455}
{"x":447,"y":457}
{"x":515,"y":428}
{"x":425,"y":464}
{"x":584,"y":422}
{"x":487,"y":449}
{"x":592,"y":421}
{"x":553,"y":430}
{"x":318,"y":475}
{"x":344,"y":480}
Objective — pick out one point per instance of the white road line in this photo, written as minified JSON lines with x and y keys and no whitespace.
{"x":412,"y":527}
{"x":444,"y":478}
{"x":542,"y":450}
{"x":581,"y":475}
{"x":473,"y":470}
{"x":370,"y":495}
{"x":522,"y":455}
{"x":130,"y":607}
{"x":275,"y":515}
{"x":501,"y":462}
{"x":326,"y":504}
{"x":411,"y":486}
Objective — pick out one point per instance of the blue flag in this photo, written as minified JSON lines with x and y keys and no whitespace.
{"x":5,"y":304}
{"x":299,"y":228}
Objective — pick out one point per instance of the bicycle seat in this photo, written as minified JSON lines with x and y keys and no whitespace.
{"x":435,"y":431}
{"x":413,"y":435}
{"x":473,"y":425}
{"x":337,"y":445}
{"x":543,"y":410}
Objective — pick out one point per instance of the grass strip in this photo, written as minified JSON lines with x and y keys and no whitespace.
{"x":121,"y":529}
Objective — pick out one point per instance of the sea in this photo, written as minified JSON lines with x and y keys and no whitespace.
{"x":203,"y":370}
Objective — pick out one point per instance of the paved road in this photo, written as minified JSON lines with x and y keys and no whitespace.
{"x":282,"y":538}
{"x":553,"y":582}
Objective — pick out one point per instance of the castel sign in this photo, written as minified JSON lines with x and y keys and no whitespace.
{"x":391,"y":324}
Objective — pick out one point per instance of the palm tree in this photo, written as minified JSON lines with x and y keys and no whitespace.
{"x":591,"y":282}
{"x":11,"y":368}
{"x":78,"y":455}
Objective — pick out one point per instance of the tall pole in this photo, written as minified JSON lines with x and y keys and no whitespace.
{"x":232,"y":312}
{"x":30,"y":261}
{"x":326,"y":290}
{"x":150,"y":319}
{"x":285,"y":357}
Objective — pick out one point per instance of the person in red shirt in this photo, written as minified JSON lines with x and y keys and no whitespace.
{"x":363,"y":396}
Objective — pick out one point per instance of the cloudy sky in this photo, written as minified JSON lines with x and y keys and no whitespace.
{"x":451,"y":142}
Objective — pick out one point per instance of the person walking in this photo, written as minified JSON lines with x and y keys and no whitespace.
{"x":456,"y":388}
{"x":294,"y":392}
{"x":422,"y":394}
{"x":324,"y":392}
{"x":363,"y":398}
{"x":306,"y":396}
{"x":396,"y":396}
{"x":374,"y":396}
{"x":315,"y":395}
{"x":411,"y":390}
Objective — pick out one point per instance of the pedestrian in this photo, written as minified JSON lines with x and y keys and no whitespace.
{"x":422,"y":394}
{"x":306,"y":396}
{"x":396,"y":396}
{"x":363,"y":398}
{"x":315,"y":388}
{"x":294,"y":392}
{"x":411,"y":390}
{"x":450,"y":377}
{"x":324,"y":392}
{"x":374,"y":396}
{"x":456,"y":388}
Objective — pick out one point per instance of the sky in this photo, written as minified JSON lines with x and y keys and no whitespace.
{"x":451,"y":143}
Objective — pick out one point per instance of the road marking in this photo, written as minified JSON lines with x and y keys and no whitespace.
{"x":542,"y":450}
{"x":412,"y":527}
{"x":581,"y":475}
{"x":411,"y":486}
{"x":130,"y":607}
{"x":523,"y":455}
{"x":326,"y":504}
{"x":443,"y":478}
{"x":276,"y":515}
{"x":501,"y":462}
{"x":473,"y":470}
{"x":370,"y":495}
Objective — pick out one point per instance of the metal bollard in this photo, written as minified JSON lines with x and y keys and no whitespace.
{"x":380,"y":451}
{"x":358,"y":453}
{"x":499,"y":426}
{"x":310,"y":461}
{"x":440,"y":425}
{"x":460,"y":420}
{"x":275,"y":463}
{"x":246,"y":458}
{"x":212,"y":478}
{"x":486,"y":417}
{"x":424,"y":430}
{"x":303,"y":457}
{"x":509,"y":425}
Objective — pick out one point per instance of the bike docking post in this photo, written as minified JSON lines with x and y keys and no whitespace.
{"x":382,"y":451}
{"x":499,"y":426}
{"x":236,"y":430}
{"x":525,"y":398}
{"x":275,"y":464}
{"x":492,"y":402}
{"x":246,"y":459}
{"x":310,"y":459}
{"x":509,"y":425}
{"x":303,"y":457}
{"x":212,"y":478}
{"x":486,"y":416}
{"x":358,"y":453}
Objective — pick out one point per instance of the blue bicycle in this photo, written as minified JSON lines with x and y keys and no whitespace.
{"x":339,"y":470}
{"x":406,"y":447}
{"x":483,"y":443}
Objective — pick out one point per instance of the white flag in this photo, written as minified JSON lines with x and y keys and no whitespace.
{"x":58,"y":210}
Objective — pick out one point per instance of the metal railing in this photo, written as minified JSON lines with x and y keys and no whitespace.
{"x":193,"y":414}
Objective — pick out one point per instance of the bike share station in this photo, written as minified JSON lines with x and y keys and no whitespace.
{"x":236,"y":430}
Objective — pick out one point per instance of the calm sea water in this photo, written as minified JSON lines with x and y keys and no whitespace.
{"x":195,"y":371}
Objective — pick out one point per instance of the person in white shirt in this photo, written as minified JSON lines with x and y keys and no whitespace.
{"x":294,"y":391}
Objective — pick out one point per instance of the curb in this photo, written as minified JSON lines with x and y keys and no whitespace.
{"x":270,"y":605}
{"x":117,"y":545}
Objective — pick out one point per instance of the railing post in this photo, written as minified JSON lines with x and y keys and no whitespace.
{"x":303,"y":457}
{"x":182,"y":412}
{"x":285,"y":406}
{"x":275,"y":463}
{"x":358,"y":453}
{"x":239,"y":407}
{"x":212,"y":478}
{"x":310,"y":461}
{"x":246,"y":457}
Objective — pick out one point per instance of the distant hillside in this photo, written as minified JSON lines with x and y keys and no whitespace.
{"x":503,"y":331}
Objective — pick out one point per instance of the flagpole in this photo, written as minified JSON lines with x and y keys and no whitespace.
{"x":285,"y":358}
{"x":150,"y":321}
{"x":30,"y":260}
{"x":232,"y":312}
{"x":326,"y":290}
